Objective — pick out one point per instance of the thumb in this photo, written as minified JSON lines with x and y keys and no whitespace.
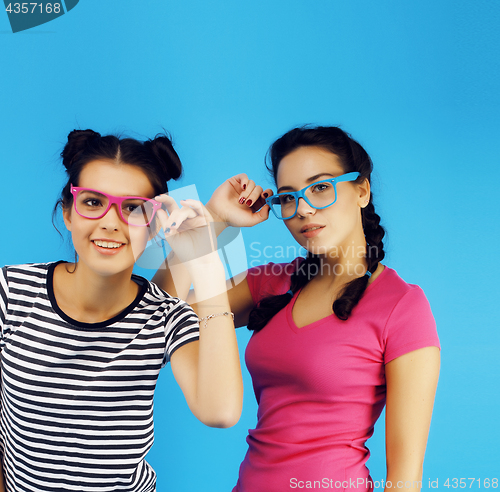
{"x":261,"y":215}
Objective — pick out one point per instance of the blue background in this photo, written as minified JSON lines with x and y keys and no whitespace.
{"x":417,"y":83}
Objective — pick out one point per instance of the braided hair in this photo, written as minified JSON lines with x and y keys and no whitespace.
{"x":353,"y":158}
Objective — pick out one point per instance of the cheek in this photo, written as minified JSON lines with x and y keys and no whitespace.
{"x":293,"y":229}
{"x":78,"y":227}
{"x":139,"y":237}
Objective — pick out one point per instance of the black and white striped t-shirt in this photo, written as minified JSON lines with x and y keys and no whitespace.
{"x":77,"y":398}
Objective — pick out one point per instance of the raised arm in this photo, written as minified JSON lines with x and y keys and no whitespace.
{"x":208,"y":371}
{"x":238,"y":202}
{"x":411,"y":387}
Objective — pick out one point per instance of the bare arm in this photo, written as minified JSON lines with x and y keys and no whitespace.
{"x":208,"y":371}
{"x":226,"y":210}
{"x":411,"y":387}
{"x":238,"y":291}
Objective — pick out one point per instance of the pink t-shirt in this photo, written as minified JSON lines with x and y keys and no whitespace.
{"x":321,"y":388}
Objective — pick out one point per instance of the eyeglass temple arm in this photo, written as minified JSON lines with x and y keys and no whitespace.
{"x":347,"y":177}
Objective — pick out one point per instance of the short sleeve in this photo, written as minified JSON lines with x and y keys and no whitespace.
{"x":4,"y":291}
{"x":410,"y":326}
{"x":271,"y":279}
{"x":181,"y":327}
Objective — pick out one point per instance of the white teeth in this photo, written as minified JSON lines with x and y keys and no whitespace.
{"x":106,"y":244}
{"x":312,"y":229}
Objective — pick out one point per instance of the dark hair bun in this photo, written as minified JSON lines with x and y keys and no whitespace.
{"x":163,"y":152}
{"x":78,"y":140}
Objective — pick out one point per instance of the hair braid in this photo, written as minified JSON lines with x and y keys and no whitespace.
{"x":355,"y":289}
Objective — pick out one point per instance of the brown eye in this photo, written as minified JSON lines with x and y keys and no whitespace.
{"x":320,"y":187}
{"x":92,"y":203}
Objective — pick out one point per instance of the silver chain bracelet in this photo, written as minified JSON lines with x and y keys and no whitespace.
{"x":210,"y":316}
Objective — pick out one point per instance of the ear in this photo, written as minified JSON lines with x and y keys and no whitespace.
{"x":364,"y":193}
{"x":67,"y":217}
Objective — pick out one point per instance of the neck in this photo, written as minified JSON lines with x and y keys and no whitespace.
{"x":89,"y":297}
{"x":344,"y":263}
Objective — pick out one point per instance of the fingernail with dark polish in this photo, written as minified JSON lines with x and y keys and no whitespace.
{"x":244,"y":186}
{"x":173,"y":224}
{"x":167,"y":230}
{"x":249,"y":202}
{"x":242,"y":200}
{"x":266,"y":195}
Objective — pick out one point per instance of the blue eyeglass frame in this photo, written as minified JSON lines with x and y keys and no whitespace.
{"x":301,"y":193}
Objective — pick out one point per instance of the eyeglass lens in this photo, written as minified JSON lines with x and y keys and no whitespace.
{"x":320,"y":195}
{"x":134,"y":211}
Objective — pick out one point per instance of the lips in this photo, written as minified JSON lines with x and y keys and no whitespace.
{"x":107,"y":247}
{"x":311,"y":230}
{"x":311,"y":227}
{"x":107,"y":244}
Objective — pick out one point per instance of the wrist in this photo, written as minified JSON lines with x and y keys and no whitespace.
{"x":219,"y":222}
{"x":203,"y":266}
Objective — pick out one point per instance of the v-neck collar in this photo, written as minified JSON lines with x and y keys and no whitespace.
{"x":289,"y":308}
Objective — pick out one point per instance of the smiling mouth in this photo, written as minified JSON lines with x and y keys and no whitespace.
{"x":312,"y":228}
{"x":107,"y":244}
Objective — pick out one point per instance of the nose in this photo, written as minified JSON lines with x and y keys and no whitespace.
{"x":303,"y":208}
{"x":111,"y":219}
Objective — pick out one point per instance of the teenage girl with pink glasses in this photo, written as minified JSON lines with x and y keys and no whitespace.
{"x":336,"y":335}
{"x":82,"y":343}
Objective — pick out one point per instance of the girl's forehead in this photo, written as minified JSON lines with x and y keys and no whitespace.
{"x":115,"y":178}
{"x":297,"y":167}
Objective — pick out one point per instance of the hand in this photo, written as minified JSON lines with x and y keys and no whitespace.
{"x":239,"y":202}
{"x":188,"y":229}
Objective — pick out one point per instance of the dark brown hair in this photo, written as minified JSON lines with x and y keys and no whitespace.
{"x":353,"y":158}
{"x":156,"y":157}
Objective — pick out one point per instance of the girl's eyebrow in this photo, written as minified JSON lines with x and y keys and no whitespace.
{"x":101,"y":193}
{"x":312,"y":179}
{"x":90,"y":190}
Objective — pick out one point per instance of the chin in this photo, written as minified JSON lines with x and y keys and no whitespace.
{"x":107,"y":267}
{"x":314,"y":246}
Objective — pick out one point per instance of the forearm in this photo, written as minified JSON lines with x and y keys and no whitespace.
{"x":173,"y":277}
{"x":218,"y":397}
{"x":411,"y":386}
{"x":406,"y":478}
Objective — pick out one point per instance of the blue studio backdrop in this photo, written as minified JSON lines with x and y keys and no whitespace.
{"x":417,"y":83}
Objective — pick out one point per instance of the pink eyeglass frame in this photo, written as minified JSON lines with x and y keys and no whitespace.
{"x":114,"y":199}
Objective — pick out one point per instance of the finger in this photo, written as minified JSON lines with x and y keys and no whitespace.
{"x":253,"y":196}
{"x":176,"y":219}
{"x":261,"y":215}
{"x":168,"y":202}
{"x":162,"y":216}
{"x":199,"y":208}
{"x":250,"y":186}
{"x":168,"y":222}
{"x":239,"y":182}
{"x":261,"y":201}
{"x":204,"y":219}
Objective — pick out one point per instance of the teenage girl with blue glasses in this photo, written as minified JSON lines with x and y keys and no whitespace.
{"x":82,"y":343}
{"x":336,"y":335}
